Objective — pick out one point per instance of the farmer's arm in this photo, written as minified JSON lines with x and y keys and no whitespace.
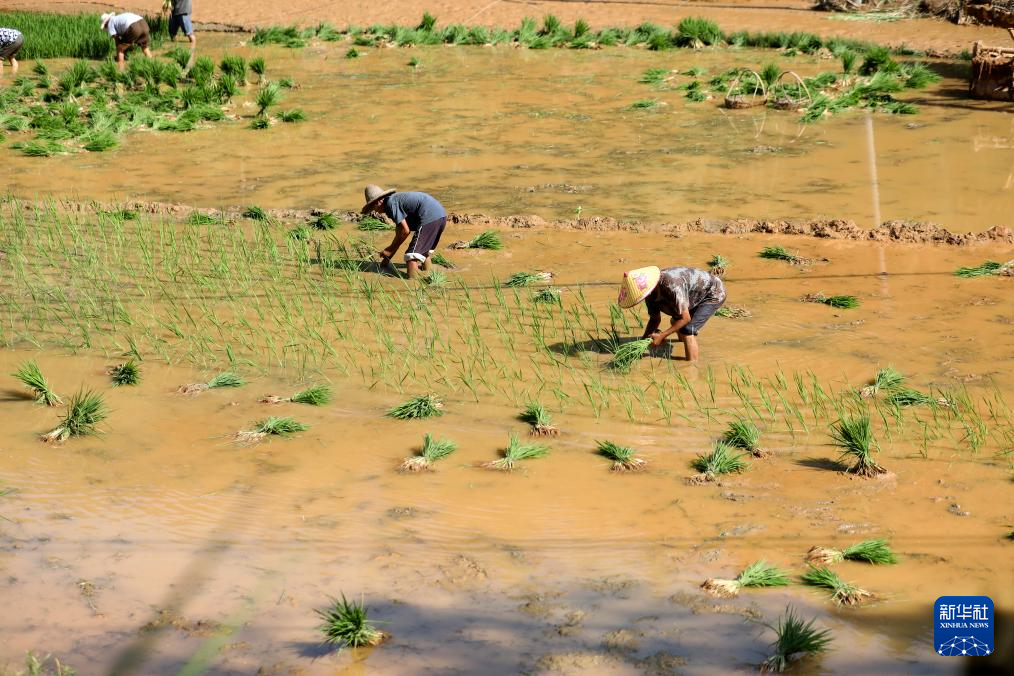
{"x":401,"y":233}
{"x":654,"y":320}
{"x":677,"y":324}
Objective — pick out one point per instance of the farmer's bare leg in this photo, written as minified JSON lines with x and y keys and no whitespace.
{"x":121,"y":59}
{"x":693,"y":351}
{"x":426,"y":263}
{"x":413,"y":268}
{"x":147,"y":52}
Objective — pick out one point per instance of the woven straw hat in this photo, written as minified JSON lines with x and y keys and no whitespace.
{"x":375,"y":193}
{"x":637,"y":284}
{"x":105,"y":19}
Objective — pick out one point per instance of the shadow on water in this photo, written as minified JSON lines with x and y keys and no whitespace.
{"x":826,"y":464}
{"x":608,"y":345}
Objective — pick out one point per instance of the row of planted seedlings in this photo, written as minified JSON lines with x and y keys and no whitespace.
{"x":89,"y":108}
{"x":251,"y":297}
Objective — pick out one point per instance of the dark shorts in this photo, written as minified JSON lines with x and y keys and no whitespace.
{"x":11,"y":50}
{"x":699,"y":316}
{"x":424,"y":240}
{"x":178,"y":22}
{"x":137,"y":33}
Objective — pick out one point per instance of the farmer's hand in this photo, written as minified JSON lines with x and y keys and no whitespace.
{"x":386,"y":255}
{"x":656,"y":339}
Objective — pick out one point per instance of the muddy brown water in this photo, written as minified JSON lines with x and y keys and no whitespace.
{"x":550,"y":132}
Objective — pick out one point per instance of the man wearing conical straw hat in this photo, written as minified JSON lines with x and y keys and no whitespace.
{"x":414,"y":213}
{"x":689,"y":296}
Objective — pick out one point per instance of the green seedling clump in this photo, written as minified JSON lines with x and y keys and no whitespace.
{"x":887,"y":380}
{"x":759,"y":574}
{"x":876,"y":552}
{"x":488,"y":239}
{"x":547,"y":296}
{"x":718,"y":265}
{"x":745,"y":435}
{"x":796,"y":640}
{"x":627,"y":354}
{"x":300,"y":233}
{"x":655,"y":76}
{"x":226,"y":379}
{"x":373,"y":224}
{"x":723,"y":459}
{"x":128,"y":373}
{"x":854,"y":436}
{"x":255,"y":213}
{"x":645,"y":104}
{"x":423,"y":406}
{"x":843,"y":302}
{"x":432,"y":450}
{"x":315,"y":395}
{"x":843,"y":593}
{"x":84,"y":412}
{"x":438,"y":258}
{"x":326,"y":221}
{"x":436,"y":278}
{"x":515,"y":452}
{"x":526,"y":278}
{"x":271,"y":426}
{"x":294,"y":115}
{"x":779,"y":253}
{"x":733,"y":312}
{"x":982,"y":270}
{"x":536,"y":415}
{"x":696,"y":32}
{"x":345,"y":624}
{"x":625,"y":459}
{"x":30,"y":374}
{"x":906,"y":396}
{"x":197,"y":218}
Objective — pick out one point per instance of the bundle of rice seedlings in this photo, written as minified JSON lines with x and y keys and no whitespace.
{"x":624,"y":458}
{"x":723,"y":459}
{"x":269,"y":95}
{"x":294,"y":115}
{"x":645,"y":104}
{"x":843,"y":593}
{"x":258,"y":66}
{"x":981,"y":270}
{"x":627,"y":354}
{"x":733,"y":312}
{"x":759,"y":574}
{"x":98,"y":142}
{"x":848,"y":60}
{"x":126,"y":374}
{"x":844,"y":302}
{"x":438,"y":258}
{"x":234,"y":66}
{"x":906,"y":396}
{"x":197,"y":218}
{"x":488,"y":239}
{"x":345,"y":624}
{"x":84,"y":412}
{"x":745,"y":435}
{"x":887,"y":380}
{"x":422,"y":406}
{"x":536,"y":415}
{"x":373,"y":224}
{"x":655,"y":76}
{"x":432,"y":450}
{"x":526,"y":278}
{"x":352,"y":53}
{"x":515,"y":452}
{"x":225,"y":379}
{"x":876,"y":552}
{"x":779,"y":253}
{"x":30,"y":374}
{"x":255,"y":213}
{"x":548,"y":296}
{"x":436,"y":278}
{"x":414,"y":62}
{"x":696,"y":32}
{"x":300,"y":233}
{"x":327,"y":221}
{"x":718,"y":265}
{"x":270,"y":426}
{"x":315,"y":395}
{"x":796,"y":640}
{"x":854,"y":435}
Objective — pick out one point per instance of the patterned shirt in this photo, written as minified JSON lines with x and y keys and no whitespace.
{"x":682,"y":289}
{"x":8,"y":36}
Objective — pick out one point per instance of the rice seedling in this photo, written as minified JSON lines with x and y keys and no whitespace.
{"x":414,"y":62}
{"x":876,"y":552}
{"x":30,"y":374}
{"x":84,"y":412}
{"x":796,"y":640}
{"x":258,"y":67}
{"x":487,"y":239}
{"x":352,"y":53}
{"x":645,"y":104}
{"x":779,"y":253}
{"x":300,"y":233}
{"x":878,"y":59}
{"x":225,"y":379}
{"x":432,"y":450}
{"x":723,"y":459}
{"x":346,"y":625}
{"x":234,"y":66}
{"x":841,"y":302}
{"x":887,"y":379}
{"x":918,"y":75}
{"x":625,"y":355}
{"x":226,"y":88}
{"x":128,"y":373}
{"x":981,"y":270}
{"x":316,"y":395}
{"x":197,"y":218}
{"x":287,"y":36}
{"x":547,"y":296}
{"x":718,"y":264}
{"x":733,"y":312}
{"x":515,"y":452}
{"x":269,"y":95}
{"x":99,"y":142}
{"x":625,"y":459}
{"x":326,"y":221}
{"x":438,"y":258}
{"x":696,"y":32}
{"x":373,"y":224}
{"x":758,"y":574}
{"x":519,"y":279}
{"x":843,"y":593}
{"x":536,"y":415}
{"x":422,"y":406}
{"x":271,"y":426}
{"x":294,"y":115}
{"x":436,"y":278}
{"x":655,"y":76}
{"x":286,"y":83}
{"x":40,"y":148}
{"x":854,"y":435}
{"x":906,"y":396}
{"x":745,"y":435}
{"x":255,"y":213}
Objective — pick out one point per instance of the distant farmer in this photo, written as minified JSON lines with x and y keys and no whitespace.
{"x":11,"y":42}
{"x":414,"y":213}
{"x":127,"y":30}
{"x":179,"y":18}
{"x":688,"y":295}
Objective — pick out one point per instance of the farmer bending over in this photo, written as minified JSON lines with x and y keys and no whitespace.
{"x":127,"y":30}
{"x":688,"y":295}
{"x":11,"y":42}
{"x":414,"y":213}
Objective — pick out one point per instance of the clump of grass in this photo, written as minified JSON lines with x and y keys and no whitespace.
{"x":627,"y":354}
{"x":30,"y":374}
{"x":548,"y":296}
{"x":796,"y":640}
{"x":515,"y":452}
{"x":843,"y":593}
{"x":854,"y":435}
{"x":842,"y":302}
{"x":432,"y":450}
{"x":315,"y":395}
{"x":536,"y":415}
{"x":625,"y":459}
{"x":128,"y":373}
{"x":887,"y":380}
{"x":373,"y":224}
{"x":422,"y":406}
{"x":981,"y":270}
{"x":723,"y":459}
{"x":745,"y":435}
{"x":488,"y":239}
{"x":255,"y":213}
{"x":225,"y":379}
{"x":718,"y":265}
{"x":759,"y":574}
{"x":876,"y":552}
{"x":281,"y":426}
{"x":84,"y":412}
{"x":525,"y":278}
{"x":779,"y":253}
{"x":346,"y":625}
{"x":438,"y":258}
{"x":327,"y":221}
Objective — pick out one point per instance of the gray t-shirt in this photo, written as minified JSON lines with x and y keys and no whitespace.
{"x":181,"y":7}
{"x":684,"y":289}
{"x":119,"y":23}
{"x":417,"y":208}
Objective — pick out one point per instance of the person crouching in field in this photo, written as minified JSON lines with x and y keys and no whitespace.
{"x":689,"y":296}
{"x":127,"y":30}
{"x":414,"y":213}
{"x":11,"y":42}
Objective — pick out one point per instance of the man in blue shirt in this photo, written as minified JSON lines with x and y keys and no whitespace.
{"x":414,"y":213}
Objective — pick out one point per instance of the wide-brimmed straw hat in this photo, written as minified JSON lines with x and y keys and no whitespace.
{"x":637,"y":285}
{"x":106,"y":17}
{"x":374,"y":193}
